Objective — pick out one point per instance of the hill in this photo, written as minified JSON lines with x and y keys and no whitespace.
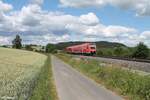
{"x":99,"y":44}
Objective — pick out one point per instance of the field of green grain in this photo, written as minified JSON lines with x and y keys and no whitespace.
{"x":19,"y":71}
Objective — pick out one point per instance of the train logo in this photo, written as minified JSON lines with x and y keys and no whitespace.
{"x":85,"y":49}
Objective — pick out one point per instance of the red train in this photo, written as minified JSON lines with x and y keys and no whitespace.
{"x":85,"y":48}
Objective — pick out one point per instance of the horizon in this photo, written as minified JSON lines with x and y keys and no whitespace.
{"x":46,"y":21}
{"x":72,"y":42}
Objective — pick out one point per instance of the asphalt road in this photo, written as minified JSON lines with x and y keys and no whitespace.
{"x":72,"y":85}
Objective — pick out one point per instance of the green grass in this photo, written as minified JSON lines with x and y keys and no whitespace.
{"x":124,"y":82}
{"x":45,"y":88}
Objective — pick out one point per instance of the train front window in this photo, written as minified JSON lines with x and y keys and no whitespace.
{"x":92,"y":47}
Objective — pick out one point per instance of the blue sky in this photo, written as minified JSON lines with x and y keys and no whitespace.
{"x":55,"y":21}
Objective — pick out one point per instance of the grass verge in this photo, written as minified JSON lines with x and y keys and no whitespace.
{"x":45,"y":88}
{"x":124,"y":82}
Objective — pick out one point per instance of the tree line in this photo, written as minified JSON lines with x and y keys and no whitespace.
{"x":141,"y":51}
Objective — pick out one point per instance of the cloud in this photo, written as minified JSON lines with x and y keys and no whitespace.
{"x":79,"y":3}
{"x":4,"y":7}
{"x":113,"y":31}
{"x":38,"y":2}
{"x":145,"y":35}
{"x":89,"y":19}
{"x":4,"y":40}
{"x":41,"y":27}
{"x":141,"y":7}
{"x":45,"y":38}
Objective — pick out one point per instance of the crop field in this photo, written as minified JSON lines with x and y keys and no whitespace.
{"x":19,"y":71}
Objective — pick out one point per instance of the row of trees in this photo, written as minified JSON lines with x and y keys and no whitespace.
{"x":50,"y":48}
{"x":140,"y":51}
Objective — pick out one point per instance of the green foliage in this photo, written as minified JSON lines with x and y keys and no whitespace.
{"x":128,"y":83}
{"x":122,"y":52}
{"x":105,"y":52}
{"x":100,"y":53}
{"x":141,"y":51}
{"x":149,"y":54}
{"x":17,"y":42}
{"x":51,"y":48}
{"x":29,"y":47}
{"x":124,"y":81}
{"x":118,"y":51}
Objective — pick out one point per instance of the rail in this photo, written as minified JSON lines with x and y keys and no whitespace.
{"x":123,"y":58}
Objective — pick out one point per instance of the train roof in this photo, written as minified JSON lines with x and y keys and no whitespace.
{"x":83,"y":44}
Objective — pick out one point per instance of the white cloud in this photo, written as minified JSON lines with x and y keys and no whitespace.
{"x":45,"y":38}
{"x":39,"y":26}
{"x":142,"y":7}
{"x":145,"y":35}
{"x":4,"y":40}
{"x":114,"y":31}
{"x":79,"y":3}
{"x":4,"y":7}
{"x":38,"y":2}
{"x":89,"y":19}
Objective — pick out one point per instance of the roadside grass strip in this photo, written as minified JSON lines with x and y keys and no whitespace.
{"x":45,"y":88}
{"x":130,"y":84}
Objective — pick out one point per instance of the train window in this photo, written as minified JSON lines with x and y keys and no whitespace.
{"x":92,"y":47}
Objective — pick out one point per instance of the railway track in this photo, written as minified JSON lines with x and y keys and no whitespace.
{"x":119,"y":58}
{"x":135,"y":64}
{"x":128,"y":59}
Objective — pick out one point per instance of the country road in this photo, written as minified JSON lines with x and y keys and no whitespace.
{"x":72,"y":85}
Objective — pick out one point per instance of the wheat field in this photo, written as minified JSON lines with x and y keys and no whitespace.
{"x":19,"y":71}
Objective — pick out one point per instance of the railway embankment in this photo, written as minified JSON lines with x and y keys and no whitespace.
{"x":135,"y":65}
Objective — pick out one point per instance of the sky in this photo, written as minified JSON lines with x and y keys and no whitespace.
{"x":53,"y":21}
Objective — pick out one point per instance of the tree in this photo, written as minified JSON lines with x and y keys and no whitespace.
{"x":50,"y":48}
{"x":17,"y":42}
{"x":29,"y":47}
{"x":141,"y":51}
{"x":100,"y":53}
{"x":118,"y":51}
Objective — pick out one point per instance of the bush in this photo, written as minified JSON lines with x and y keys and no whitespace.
{"x":29,"y":47}
{"x":51,"y":48}
{"x":141,"y":51}
{"x":100,"y":53}
{"x":118,"y":51}
{"x":105,"y":52}
{"x":127,"y":82}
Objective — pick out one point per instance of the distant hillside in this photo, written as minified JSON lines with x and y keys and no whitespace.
{"x":99,"y":44}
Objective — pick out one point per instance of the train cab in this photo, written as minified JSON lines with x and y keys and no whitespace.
{"x":85,"y":48}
